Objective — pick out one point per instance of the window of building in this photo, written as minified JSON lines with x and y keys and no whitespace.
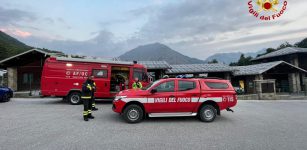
{"x":25,"y":78}
{"x":186,"y":85}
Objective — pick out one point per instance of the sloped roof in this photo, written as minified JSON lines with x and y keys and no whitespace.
{"x":155,"y":64}
{"x":93,"y":60}
{"x":260,"y":68}
{"x":26,"y":52}
{"x":199,"y":68}
{"x":281,"y":52}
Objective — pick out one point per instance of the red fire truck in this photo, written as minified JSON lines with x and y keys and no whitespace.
{"x":204,"y":98}
{"x":63,"y":77}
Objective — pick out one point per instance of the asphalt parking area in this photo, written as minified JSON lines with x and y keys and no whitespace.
{"x":52,"y":124}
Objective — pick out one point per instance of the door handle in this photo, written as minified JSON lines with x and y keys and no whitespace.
{"x":172,"y":96}
{"x":105,"y":84}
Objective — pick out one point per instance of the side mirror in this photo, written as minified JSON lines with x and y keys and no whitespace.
{"x":153,"y":91}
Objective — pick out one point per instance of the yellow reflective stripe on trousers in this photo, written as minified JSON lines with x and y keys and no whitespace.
{"x":86,"y":97}
{"x":85,"y":113}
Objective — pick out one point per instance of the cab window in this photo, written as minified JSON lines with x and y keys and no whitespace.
{"x":100,"y":73}
{"x":217,"y":85}
{"x":166,"y":87}
{"x":186,"y":85}
{"x":140,"y":74}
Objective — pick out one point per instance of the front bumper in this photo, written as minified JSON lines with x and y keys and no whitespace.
{"x":118,"y":106}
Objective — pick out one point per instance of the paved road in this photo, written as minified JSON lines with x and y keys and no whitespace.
{"x":52,"y":124}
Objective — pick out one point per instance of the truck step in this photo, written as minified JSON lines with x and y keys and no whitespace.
{"x":184,"y":114}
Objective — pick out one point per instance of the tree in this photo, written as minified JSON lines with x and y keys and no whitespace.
{"x":233,"y":64}
{"x":281,"y":46}
{"x":284,"y":45}
{"x":269,"y":50}
{"x":243,"y":61}
{"x":214,"y":61}
{"x":301,"y":44}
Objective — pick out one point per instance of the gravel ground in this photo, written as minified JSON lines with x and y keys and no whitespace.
{"x":52,"y":124}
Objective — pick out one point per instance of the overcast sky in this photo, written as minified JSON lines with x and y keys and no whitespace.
{"x":197,"y":28}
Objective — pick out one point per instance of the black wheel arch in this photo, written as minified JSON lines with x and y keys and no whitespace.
{"x":135,"y":103}
{"x":73,"y":90}
{"x":68,"y":96}
{"x":212,"y":103}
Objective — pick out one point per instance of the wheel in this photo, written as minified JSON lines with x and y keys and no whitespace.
{"x":65,"y":99}
{"x":133,"y":113}
{"x":207,"y":113}
{"x":75,"y":98}
{"x":6,"y":97}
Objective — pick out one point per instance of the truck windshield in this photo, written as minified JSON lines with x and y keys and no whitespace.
{"x":150,"y":85}
{"x":140,"y":74}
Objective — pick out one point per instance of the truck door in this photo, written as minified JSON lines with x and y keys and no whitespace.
{"x":162,"y":101}
{"x":102,"y":82}
{"x":187,"y":96}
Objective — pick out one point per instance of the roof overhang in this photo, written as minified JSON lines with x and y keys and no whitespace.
{"x":282,"y":52}
{"x":155,"y":65}
{"x":199,"y":69}
{"x":93,"y":61}
{"x":23,"y":58}
{"x":254,"y":70}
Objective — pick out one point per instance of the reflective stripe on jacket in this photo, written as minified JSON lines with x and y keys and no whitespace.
{"x":87,"y":90}
{"x":137,"y":85}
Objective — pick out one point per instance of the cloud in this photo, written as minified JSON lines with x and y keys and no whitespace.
{"x":197,"y":28}
{"x":103,"y":45}
{"x":17,"y":32}
{"x":12,"y":16}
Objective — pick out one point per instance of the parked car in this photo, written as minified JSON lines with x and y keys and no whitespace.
{"x":204,"y":98}
{"x":5,"y":94}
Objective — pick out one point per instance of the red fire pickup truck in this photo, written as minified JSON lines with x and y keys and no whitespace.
{"x":204,"y":98}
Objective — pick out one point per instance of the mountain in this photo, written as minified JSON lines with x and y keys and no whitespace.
{"x":10,"y":46}
{"x":158,"y":52}
{"x":227,"y":58}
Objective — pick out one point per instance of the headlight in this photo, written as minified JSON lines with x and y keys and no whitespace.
{"x":119,"y":98}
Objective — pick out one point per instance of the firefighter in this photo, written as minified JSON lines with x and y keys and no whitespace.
{"x":92,"y":101}
{"x":86,"y":96}
{"x":137,"y":84}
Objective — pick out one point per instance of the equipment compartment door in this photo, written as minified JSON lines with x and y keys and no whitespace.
{"x":102,"y":82}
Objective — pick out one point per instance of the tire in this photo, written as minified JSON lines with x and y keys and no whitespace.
{"x":6,"y":97}
{"x":133,"y":114}
{"x":74,"y":98}
{"x":207,"y":113}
